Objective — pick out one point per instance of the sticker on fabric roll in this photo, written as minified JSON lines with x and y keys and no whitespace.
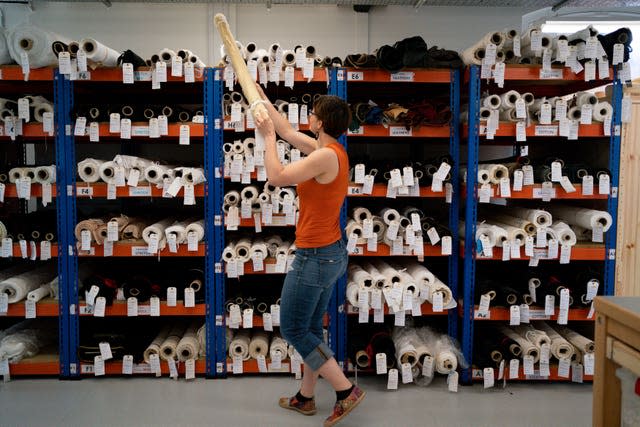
{"x":407,"y":375}
{"x":452,"y":382}
{"x":392,"y":379}
{"x":577,"y":374}
{"x":275,"y":314}
{"x":99,"y":307}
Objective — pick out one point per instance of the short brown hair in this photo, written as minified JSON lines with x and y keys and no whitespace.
{"x":334,"y":113}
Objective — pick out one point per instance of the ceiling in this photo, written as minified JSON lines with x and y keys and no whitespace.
{"x":533,"y":4}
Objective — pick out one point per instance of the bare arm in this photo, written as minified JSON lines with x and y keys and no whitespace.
{"x":299,"y":140}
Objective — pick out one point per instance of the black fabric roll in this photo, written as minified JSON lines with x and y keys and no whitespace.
{"x":621,"y":35}
{"x":108,"y":287}
{"x":58,"y":47}
{"x":381,"y":342}
{"x":141,"y":287}
{"x":389,"y":58}
{"x":128,"y":56}
{"x":194,"y":278}
{"x":508,"y":296}
{"x":358,"y":344}
{"x":487,"y":352}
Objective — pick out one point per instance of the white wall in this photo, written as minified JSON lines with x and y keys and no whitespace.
{"x":334,"y":30}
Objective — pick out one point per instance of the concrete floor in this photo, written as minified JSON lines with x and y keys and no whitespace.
{"x":252,"y":401}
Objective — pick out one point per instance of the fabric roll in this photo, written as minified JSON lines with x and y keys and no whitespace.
{"x":45,"y":174}
{"x":166,"y":55}
{"x":250,"y":193}
{"x":584,"y":98}
{"x":44,"y":291}
{"x":496,"y":172}
{"x":17,"y":287}
{"x":155,"y":173}
{"x":527,"y":348}
{"x":352,"y":293}
{"x":360,"y":214}
{"x":379,"y":227}
{"x":259,"y":247}
{"x":509,"y":115}
{"x":188,"y":346}
{"x":390,"y":274}
{"x":40,"y":107}
{"x":179,"y":230}
{"x":170,"y":344}
{"x":193,"y":176}
{"x":133,"y":230}
{"x":389,"y":214}
{"x":354,"y":227}
{"x":438,"y":286}
{"x":5,"y":56}
{"x":492,"y":102}
{"x":232,"y":198}
{"x":277,"y":347}
{"x":602,"y":111}
{"x":202,"y":340}
{"x":36,"y":43}
{"x":17,"y":173}
{"x":157,"y":229}
{"x":93,"y":225}
{"x":501,"y":235}
{"x":406,"y":353}
{"x":89,"y":169}
{"x":560,"y":347}
{"x":239,"y":345}
{"x":154,"y":347}
{"x":424,"y":350}
{"x":196,"y":227}
{"x":259,"y":344}
{"x":446,"y":361}
{"x":539,"y":217}
{"x":25,"y":339}
{"x":481,"y":230}
{"x":564,"y":233}
{"x":514,"y":234}
{"x":360,"y":277}
{"x":243,"y":250}
{"x":586,"y":218}
{"x":107,"y":172}
{"x":509,"y":99}
{"x":423,"y":277}
{"x":524,"y":224}
{"x":582,"y":343}
{"x":535,"y":336}
{"x":229,"y":253}
{"x":98,"y":54}
{"x":379,"y":280}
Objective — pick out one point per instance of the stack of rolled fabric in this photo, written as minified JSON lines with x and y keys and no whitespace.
{"x":432,"y":112}
{"x":27,"y":339}
{"x":38,"y":105}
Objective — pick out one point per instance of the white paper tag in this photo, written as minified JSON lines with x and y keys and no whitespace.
{"x":275,"y":314}
{"x":189,"y":298}
{"x":488,"y":377}
{"x":588,"y":360}
{"x":514,"y":369}
{"x":381,"y":363}
{"x":98,"y":366}
{"x":392,"y":380}
{"x":99,"y":307}
{"x":105,"y":351}
{"x":132,"y":307}
{"x":452,"y":382}
{"x":514,"y":315}
{"x":127,"y":365}
{"x":172,"y":296}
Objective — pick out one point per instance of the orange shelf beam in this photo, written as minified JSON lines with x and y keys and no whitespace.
{"x":115,"y":75}
{"x":45,"y":308}
{"x":427,"y":310}
{"x":578,"y":253}
{"x":395,"y":131}
{"x":29,"y":130}
{"x":14,"y":73}
{"x":139,"y":130}
{"x":258,"y":323}
{"x":42,"y":364}
{"x":515,"y":72}
{"x":18,"y":254}
{"x":380,"y":190}
{"x":115,"y":368}
{"x":278,"y":220}
{"x":535,"y":313}
{"x":508,"y":129}
{"x":376,"y":75}
{"x":99,"y":189}
{"x":385,"y":250}
{"x":138,"y":249}
{"x":477,"y":375}
{"x":119,"y":309}
{"x":251,"y":367}
{"x":529,"y":191}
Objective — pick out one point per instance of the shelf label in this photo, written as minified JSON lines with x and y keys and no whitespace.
{"x":355,"y":76}
{"x":402,"y":76}
{"x":399,"y":131}
{"x":140,"y":251}
{"x":546,"y":130}
{"x":139,"y":191}
{"x":551,"y":74}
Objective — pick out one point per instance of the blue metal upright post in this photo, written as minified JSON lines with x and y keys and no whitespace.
{"x":337,"y":313}
{"x":471,"y":216}
{"x":214,"y":193}
{"x":612,"y":202}
{"x":454,"y":208}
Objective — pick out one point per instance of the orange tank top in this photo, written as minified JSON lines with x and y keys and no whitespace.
{"x":319,"y":221}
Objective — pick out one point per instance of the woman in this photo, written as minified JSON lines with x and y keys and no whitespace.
{"x":321,"y":256}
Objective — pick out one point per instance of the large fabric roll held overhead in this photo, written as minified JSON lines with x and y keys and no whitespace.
{"x":36,"y":43}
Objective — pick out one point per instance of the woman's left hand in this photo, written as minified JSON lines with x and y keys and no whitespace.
{"x":265,"y":126}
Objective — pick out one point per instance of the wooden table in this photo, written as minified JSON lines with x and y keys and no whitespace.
{"x":617,"y":344}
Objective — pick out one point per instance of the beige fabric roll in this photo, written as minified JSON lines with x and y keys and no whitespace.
{"x":93,"y":225}
{"x":560,"y":347}
{"x":379,"y":227}
{"x":189,"y":347}
{"x":535,"y":336}
{"x":170,"y":344}
{"x":278,"y":346}
{"x":133,"y":230}
{"x":380,"y":281}
{"x":523,"y":223}
{"x":353,"y":227}
{"x":154,"y":347}
{"x":528,"y":349}
{"x":259,"y":344}
{"x":239,"y":345}
{"x":157,"y":229}
{"x":439,"y":286}
{"x":539,"y":217}
{"x":582,"y":343}
{"x":446,"y":361}
{"x":196,"y":227}
{"x":202,"y":340}
{"x":243,"y":249}
{"x":564,"y":233}
{"x":360,"y":214}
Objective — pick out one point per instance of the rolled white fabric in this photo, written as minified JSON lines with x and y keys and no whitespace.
{"x":243,"y":250}
{"x":197,"y":62}
{"x":159,"y":230}
{"x":379,"y":227}
{"x":501,"y":235}
{"x":89,"y":169}
{"x":170,"y":344}
{"x":286,"y":192}
{"x":493,"y":102}
{"x":421,"y":275}
{"x":155,"y":173}
{"x":528,"y":348}
{"x":582,"y":343}
{"x":44,"y":291}
{"x":179,"y":230}
{"x":583,"y":98}
{"x":154,"y":347}
{"x":496,"y":172}
{"x":509,"y":99}
{"x":560,"y":347}
{"x":273,"y":243}
{"x":229,"y":252}
{"x":196,"y":227}
{"x":17,"y":287}
{"x":391,"y":274}
{"x":380,"y":281}
{"x":5,"y":56}
{"x":583,"y":34}
{"x":188,"y":346}
{"x":41,"y":106}
{"x":439,"y":286}
{"x":239,"y":345}
{"x":535,"y":336}
{"x":107,"y":171}
{"x":259,"y":247}
{"x":564,"y":233}
{"x":360,"y":214}
{"x":481,"y":230}
{"x":574,"y":113}
{"x":514,"y":234}
{"x":352,"y":293}
{"x":232,"y":198}
{"x":360,"y":277}
{"x":278,"y":347}
{"x":17,"y":173}
{"x":539,"y":217}
{"x":602,"y":111}
{"x":36,"y":43}
{"x":389,"y":214}
{"x":99,"y":54}
{"x":45,"y":174}
{"x":250,"y":193}
{"x":193,"y":176}
{"x":586,"y":218}
{"x":3,"y":230}
{"x":166,"y":55}
{"x":528,"y":226}
{"x":354,"y":227}
{"x":509,"y":115}
{"x":202,"y":340}
{"x":446,"y":361}
{"x":259,"y":344}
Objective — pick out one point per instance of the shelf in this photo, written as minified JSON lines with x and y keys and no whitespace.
{"x":533,"y":192}
{"x":258,"y":323}
{"x":42,"y":364}
{"x":47,"y":307}
{"x":477,"y":375}
{"x":508,"y":129}
{"x":140,"y":130}
{"x":119,"y":309}
{"x":395,"y":131}
{"x":18,"y":254}
{"x":385,"y":250}
{"x":139,"y":249}
{"x":269,"y":267}
{"x":277,"y":220}
{"x":427,"y":310}
{"x":115,"y":368}
{"x":436,"y":75}
{"x":11,"y":191}
{"x":535,"y":313}
{"x":99,"y":189}
{"x":229,"y":128}
{"x":583,"y":252}
{"x":251,"y":367}
{"x":29,"y":130}
{"x":140,"y":75}
{"x":380,"y":190}
{"x":14,"y":73}
{"x":557,"y":75}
